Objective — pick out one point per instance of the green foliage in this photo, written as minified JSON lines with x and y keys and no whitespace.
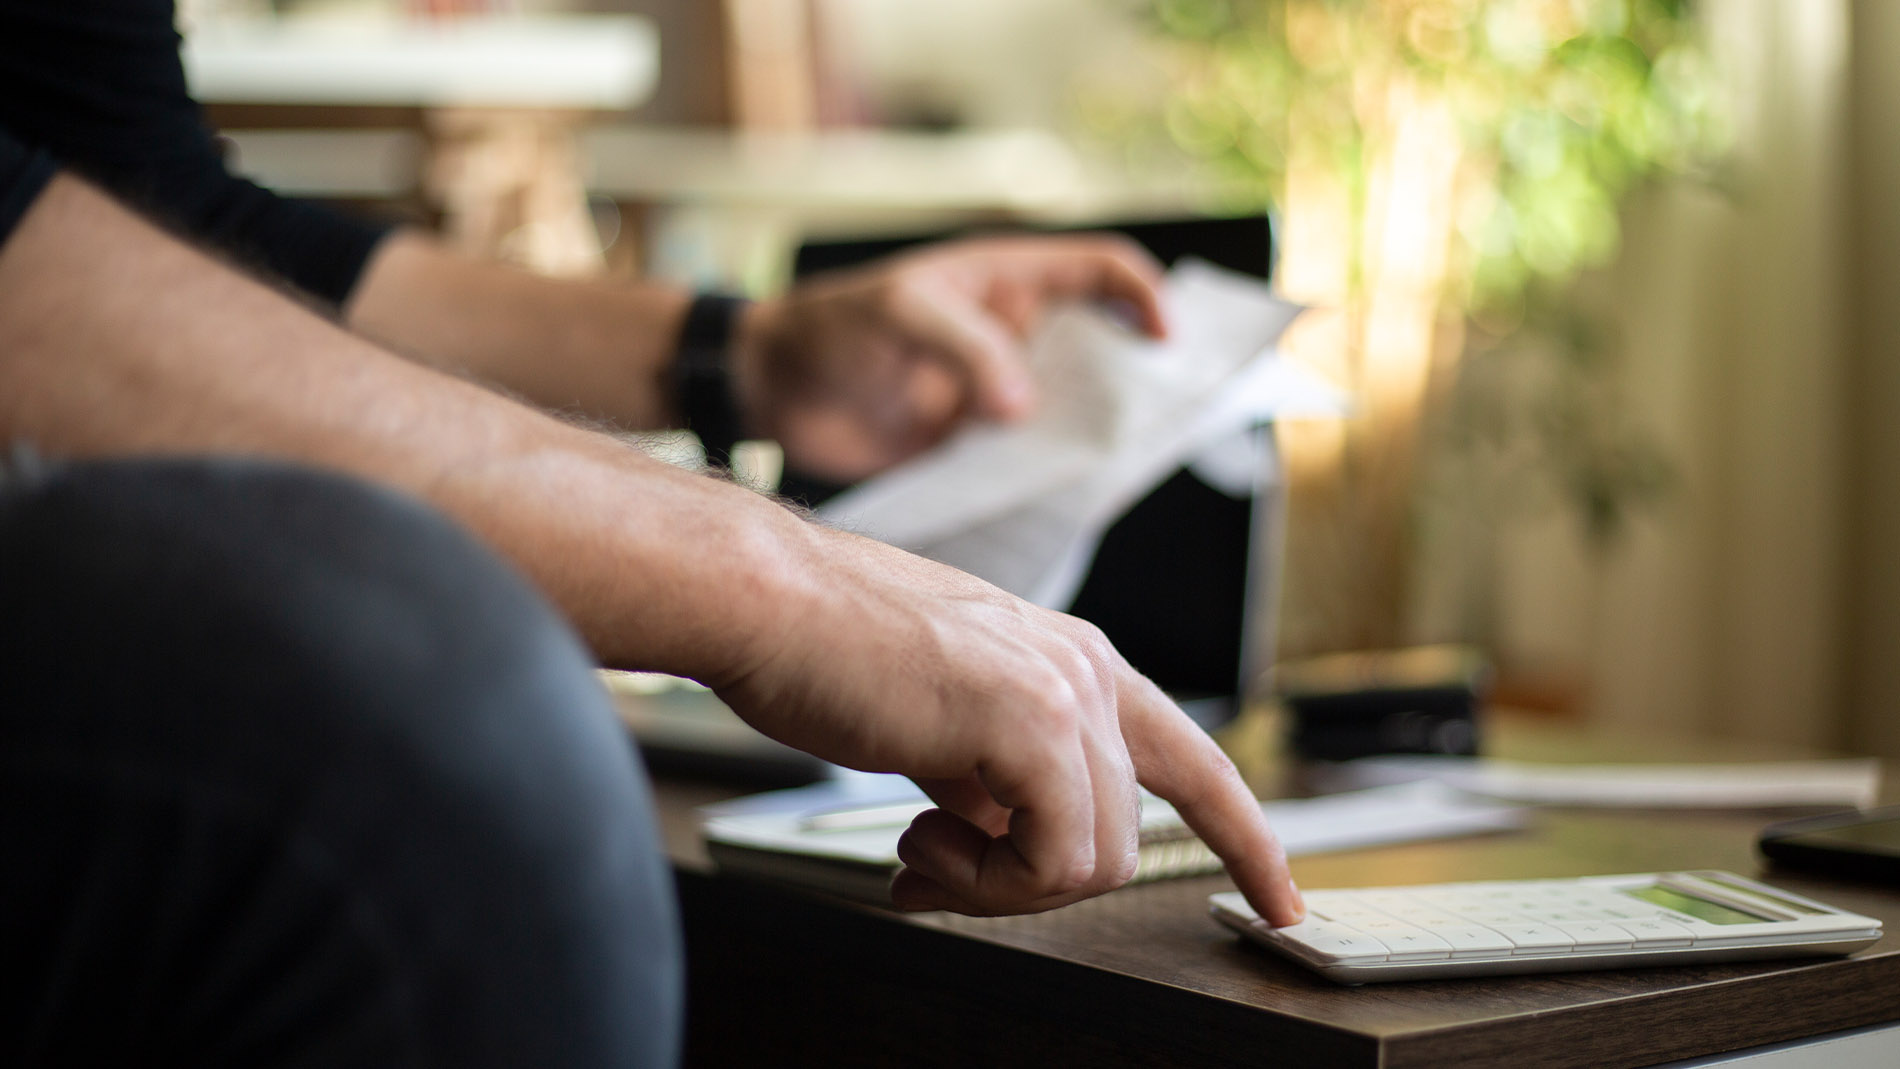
{"x":1560,"y":108}
{"x":1562,"y":105}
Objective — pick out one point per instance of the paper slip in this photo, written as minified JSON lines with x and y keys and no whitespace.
{"x":1385,"y":815}
{"x":1024,"y":506}
{"x":1382,"y":815}
{"x":1846,"y":782}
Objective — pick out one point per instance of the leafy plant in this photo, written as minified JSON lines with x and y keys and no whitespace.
{"x":1451,"y":166}
{"x":1560,"y":106}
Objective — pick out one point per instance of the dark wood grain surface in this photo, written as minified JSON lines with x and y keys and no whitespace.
{"x":1143,"y":977}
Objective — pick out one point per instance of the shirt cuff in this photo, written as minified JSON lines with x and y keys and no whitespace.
{"x":24,"y":173}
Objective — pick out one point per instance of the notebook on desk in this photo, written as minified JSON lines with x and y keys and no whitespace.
{"x":846,"y":844}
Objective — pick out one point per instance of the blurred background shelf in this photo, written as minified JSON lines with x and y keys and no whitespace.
{"x":602,"y":62}
{"x":469,"y":122}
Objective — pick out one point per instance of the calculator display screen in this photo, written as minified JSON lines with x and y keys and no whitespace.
{"x":1760,"y":895}
{"x":1699,"y":908}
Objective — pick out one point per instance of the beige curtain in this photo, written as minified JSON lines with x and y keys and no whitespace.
{"x":1763,"y":599}
{"x":1872,"y":661}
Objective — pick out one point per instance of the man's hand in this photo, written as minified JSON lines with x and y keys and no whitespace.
{"x":1024,"y":725}
{"x":856,"y":371}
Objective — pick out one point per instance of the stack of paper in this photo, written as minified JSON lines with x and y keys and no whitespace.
{"x":1848,"y":781}
{"x":1025,"y":506}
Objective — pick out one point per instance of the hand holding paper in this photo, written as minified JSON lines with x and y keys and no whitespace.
{"x":1023,"y":506}
{"x":857,"y":370}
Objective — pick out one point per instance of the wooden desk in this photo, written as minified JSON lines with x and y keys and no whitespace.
{"x":1143,"y":977}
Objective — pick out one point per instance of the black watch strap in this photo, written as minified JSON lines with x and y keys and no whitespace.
{"x":703,"y":374}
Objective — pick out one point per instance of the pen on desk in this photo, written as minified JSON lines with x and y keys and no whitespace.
{"x":872,"y":815}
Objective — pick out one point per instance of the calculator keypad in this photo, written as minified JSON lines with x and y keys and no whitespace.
{"x":1483,"y":922}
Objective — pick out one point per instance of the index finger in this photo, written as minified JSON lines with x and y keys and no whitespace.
{"x":972,"y":346}
{"x":1104,"y":267}
{"x":1023,"y":274}
{"x":1175,"y":759}
{"x":1128,"y":274}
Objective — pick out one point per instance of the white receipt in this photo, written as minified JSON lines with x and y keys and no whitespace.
{"x":1025,"y":506}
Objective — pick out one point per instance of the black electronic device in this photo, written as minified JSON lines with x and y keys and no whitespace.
{"x":1864,"y":844}
{"x":1422,"y":700}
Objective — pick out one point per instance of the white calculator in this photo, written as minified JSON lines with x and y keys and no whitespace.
{"x":1522,"y":926}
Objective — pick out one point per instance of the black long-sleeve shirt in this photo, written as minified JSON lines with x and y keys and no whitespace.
{"x":97,"y":87}
{"x":23,"y":173}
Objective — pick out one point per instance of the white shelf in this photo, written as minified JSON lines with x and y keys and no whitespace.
{"x":574,"y":61}
{"x":1027,"y":171}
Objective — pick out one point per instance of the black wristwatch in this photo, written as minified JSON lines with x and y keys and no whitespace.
{"x":703,"y":376}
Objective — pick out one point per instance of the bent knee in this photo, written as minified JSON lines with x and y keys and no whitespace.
{"x":364,"y":675}
{"x":289,"y":617}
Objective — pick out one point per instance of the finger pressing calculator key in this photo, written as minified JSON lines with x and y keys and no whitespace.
{"x":1524,"y":926}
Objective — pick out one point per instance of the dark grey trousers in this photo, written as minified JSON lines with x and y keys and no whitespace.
{"x":294,"y":772}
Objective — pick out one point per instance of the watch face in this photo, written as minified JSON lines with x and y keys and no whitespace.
{"x":705,"y":400}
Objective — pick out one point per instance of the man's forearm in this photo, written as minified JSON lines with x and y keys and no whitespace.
{"x":1025,"y":725}
{"x":600,"y":349}
{"x":117,"y":339}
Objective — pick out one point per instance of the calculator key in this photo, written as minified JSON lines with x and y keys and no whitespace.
{"x":1335,"y":941}
{"x":1343,"y":908}
{"x":1340,"y":905}
{"x":1475,"y":941}
{"x":1357,"y":924}
{"x":1332,"y":914}
{"x":1406,"y":943}
{"x":1528,"y":938}
{"x":1376,"y":926}
{"x":1596,"y":935}
{"x":1429,"y":919}
{"x":1694,"y":924}
{"x":1650,"y":932}
{"x":1491,"y":918}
